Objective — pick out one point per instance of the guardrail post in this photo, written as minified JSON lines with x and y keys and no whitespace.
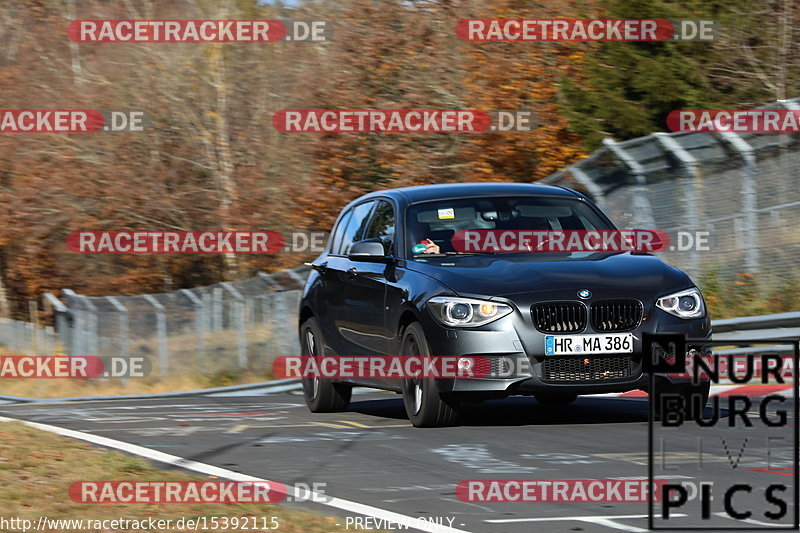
{"x":643,"y":212}
{"x":85,"y":334}
{"x":279,"y":326}
{"x":77,"y":345}
{"x":208,"y":311}
{"x":238,"y":319}
{"x":785,"y":151}
{"x":266,"y":278}
{"x":14,"y":335}
{"x":91,"y":338}
{"x":49,"y":340}
{"x":267,"y":317}
{"x":595,"y":191}
{"x":33,"y":312}
{"x":62,"y":317}
{"x":161,"y":332}
{"x":249,"y":305}
{"x":692,"y":169}
{"x":749,"y":197}
{"x":124,"y":343}
{"x":199,"y":325}
{"x":297,"y":276}
{"x":217,"y":309}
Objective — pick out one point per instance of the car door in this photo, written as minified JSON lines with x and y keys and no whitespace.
{"x":366,"y":288}
{"x":339,"y":293}
{"x":329,"y":298}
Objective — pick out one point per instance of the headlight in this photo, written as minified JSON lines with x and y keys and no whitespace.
{"x":465,"y":312}
{"x":684,"y":304}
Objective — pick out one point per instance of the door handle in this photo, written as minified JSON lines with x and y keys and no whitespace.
{"x":352,"y":272}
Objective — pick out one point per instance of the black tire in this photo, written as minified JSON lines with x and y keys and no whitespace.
{"x":555,"y":398}
{"x":425,"y":405}
{"x":322,"y":395}
{"x":694,"y":397}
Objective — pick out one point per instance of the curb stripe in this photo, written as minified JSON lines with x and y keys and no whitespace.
{"x":752,"y":391}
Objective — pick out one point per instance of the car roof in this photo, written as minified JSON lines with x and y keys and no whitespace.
{"x":424,"y":193}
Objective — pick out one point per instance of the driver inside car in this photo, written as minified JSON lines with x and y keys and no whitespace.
{"x":426,"y":246}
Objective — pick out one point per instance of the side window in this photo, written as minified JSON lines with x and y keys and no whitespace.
{"x":355,"y":227}
{"x":382,"y":225}
{"x":336,"y":238}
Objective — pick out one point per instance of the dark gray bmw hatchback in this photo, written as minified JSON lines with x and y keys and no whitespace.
{"x":391,"y":282}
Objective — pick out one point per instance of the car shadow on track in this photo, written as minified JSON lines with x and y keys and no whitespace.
{"x":523,"y":411}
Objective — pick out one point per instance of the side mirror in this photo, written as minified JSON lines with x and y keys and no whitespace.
{"x":369,"y":250}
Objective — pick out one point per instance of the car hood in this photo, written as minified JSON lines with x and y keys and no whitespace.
{"x":605,"y":275}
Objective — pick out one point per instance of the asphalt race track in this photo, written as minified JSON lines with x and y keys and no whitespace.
{"x":372,"y":455}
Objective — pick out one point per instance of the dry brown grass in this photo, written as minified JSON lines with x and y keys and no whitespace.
{"x":37,"y":468}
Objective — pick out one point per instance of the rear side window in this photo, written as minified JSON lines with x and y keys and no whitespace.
{"x":382,"y":226}
{"x":336,"y":238}
{"x":355,"y":227}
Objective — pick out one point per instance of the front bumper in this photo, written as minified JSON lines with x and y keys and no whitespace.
{"x":515,"y":350}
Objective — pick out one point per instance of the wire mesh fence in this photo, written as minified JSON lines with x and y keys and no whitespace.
{"x":206,"y":330}
{"x":17,"y":336}
{"x":742,"y":189}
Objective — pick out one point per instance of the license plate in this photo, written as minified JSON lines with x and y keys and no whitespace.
{"x":588,"y":344}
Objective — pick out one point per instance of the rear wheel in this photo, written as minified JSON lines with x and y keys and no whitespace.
{"x":550,"y":398}
{"x":321,"y":395}
{"x":425,"y":405}
{"x":693,"y":398}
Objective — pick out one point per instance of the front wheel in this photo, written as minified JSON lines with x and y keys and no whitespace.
{"x":425,"y":405}
{"x":321,"y":395}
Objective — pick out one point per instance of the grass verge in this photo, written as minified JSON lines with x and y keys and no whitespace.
{"x":37,"y":468}
{"x":77,"y":388}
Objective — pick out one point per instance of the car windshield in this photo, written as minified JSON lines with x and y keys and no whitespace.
{"x":431,"y":226}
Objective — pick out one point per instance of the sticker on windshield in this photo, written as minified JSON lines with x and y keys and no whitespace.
{"x":447,"y":213}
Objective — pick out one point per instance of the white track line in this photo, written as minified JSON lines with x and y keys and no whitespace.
{"x":211,"y":470}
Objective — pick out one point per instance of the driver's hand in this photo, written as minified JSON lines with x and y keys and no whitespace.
{"x":430,"y":247}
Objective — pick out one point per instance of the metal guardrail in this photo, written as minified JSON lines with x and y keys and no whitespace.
{"x":780,"y":326}
{"x":762,"y":322}
{"x":267,"y":387}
